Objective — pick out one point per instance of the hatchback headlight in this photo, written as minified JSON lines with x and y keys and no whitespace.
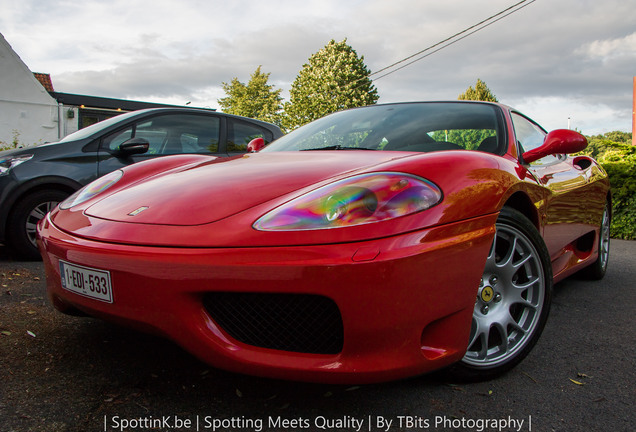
{"x":9,"y":162}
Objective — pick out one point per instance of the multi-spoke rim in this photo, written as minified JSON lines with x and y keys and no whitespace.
{"x":604,"y":243}
{"x":509,"y":301}
{"x":35,"y":216}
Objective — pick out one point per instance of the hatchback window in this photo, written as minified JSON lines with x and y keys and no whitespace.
{"x":113,"y":141}
{"x":172,"y":134}
{"x":241,"y":133}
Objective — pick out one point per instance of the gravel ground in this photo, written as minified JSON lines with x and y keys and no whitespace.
{"x":63,"y":373}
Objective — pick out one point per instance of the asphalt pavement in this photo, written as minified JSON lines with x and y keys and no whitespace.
{"x":63,"y":373}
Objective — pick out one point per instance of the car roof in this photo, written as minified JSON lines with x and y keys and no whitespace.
{"x":199,"y":110}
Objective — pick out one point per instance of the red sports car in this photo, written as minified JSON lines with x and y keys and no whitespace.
{"x":373,"y":244}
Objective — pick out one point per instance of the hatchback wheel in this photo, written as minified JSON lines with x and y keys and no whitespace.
{"x":23,"y":220}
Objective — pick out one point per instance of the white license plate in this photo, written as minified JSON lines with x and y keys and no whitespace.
{"x":86,"y":281}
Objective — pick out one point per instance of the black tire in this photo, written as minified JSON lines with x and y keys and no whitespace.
{"x":513,"y":301}
{"x":597,"y":269}
{"x":23,"y":219}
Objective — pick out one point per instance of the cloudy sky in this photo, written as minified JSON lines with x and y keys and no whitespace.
{"x":554,"y":59}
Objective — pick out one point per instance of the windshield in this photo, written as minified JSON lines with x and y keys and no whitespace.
{"x":97,"y":127}
{"x":417,"y":127}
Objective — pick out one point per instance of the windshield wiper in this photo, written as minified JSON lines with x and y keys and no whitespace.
{"x":336,"y":147}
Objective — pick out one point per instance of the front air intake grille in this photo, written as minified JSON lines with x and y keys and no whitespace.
{"x":290,"y":322}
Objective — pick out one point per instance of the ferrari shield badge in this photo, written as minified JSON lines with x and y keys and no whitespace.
{"x":139,"y":210}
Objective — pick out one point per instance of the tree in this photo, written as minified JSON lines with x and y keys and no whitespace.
{"x":335,"y":78}
{"x":257,"y":99}
{"x":481,"y":92}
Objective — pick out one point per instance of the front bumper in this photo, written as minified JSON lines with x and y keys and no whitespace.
{"x":405,"y":303}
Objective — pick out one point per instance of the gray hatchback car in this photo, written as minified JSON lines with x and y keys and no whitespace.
{"x":33,"y":180}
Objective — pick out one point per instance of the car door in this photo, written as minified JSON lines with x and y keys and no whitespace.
{"x":167,"y":134}
{"x":566,"y":218}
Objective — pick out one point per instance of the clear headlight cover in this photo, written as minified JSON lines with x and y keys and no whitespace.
{"x":92,"y":189}
{"x":357,"y":200}
{"x":9,"y":162}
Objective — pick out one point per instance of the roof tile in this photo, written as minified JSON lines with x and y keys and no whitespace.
{"x":45,"y":80}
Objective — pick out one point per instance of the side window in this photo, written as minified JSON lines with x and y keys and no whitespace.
{"x":530,"y":136}
{"x":181,"y":133}
{"x":240,"y":133}
{"x":172,"y":134}
{"x":113,"y":140}
{"x":154,"y":134}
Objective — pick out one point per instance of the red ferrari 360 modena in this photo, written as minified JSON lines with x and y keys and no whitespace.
{"x":373,"y":244}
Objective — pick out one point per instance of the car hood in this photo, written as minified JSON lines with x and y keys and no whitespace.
{"x":217,"y":189}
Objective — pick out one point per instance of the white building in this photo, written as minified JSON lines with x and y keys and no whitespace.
{"x":30,"y":108}
{"x":28,"y":113}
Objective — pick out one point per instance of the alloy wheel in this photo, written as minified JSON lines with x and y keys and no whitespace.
{"x":604,"y":240}
{"x":35,"y":216}
{"x":510,"y":300}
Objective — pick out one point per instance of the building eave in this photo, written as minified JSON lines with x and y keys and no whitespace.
{"x":94,"y":102}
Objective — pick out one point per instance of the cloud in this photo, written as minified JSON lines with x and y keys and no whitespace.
{"x":609,"y":49}
{"x":181,"y":72}
{"x":568,"y":54}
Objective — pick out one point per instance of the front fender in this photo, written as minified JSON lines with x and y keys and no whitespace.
{"x":11,"y":194}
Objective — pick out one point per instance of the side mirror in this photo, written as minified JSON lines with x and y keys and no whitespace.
{"x":134,"y":146}
{"x":255,"y":145}
{"x":557,"y":142}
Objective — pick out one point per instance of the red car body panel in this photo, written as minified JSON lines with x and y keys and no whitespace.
{"x":235,"y":230}
{"x":579,"y":188}
{"x":389,"y":332}
{"x":405,"y":287}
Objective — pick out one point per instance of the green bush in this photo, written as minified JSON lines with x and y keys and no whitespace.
{"x":618,"y":157}
{"x":622,"y":174}
{"x":14,"y":144}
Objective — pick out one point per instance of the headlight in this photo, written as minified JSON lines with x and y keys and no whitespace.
{"x":92,"y":189}
{"x":357,"y":200}
{"x":9,"y":162}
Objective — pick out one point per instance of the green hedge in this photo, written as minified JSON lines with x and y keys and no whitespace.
{"x":618,"y":157}
{"x":622,"y":176}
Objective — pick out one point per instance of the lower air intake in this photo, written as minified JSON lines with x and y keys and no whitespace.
{"x":301,"y":323}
